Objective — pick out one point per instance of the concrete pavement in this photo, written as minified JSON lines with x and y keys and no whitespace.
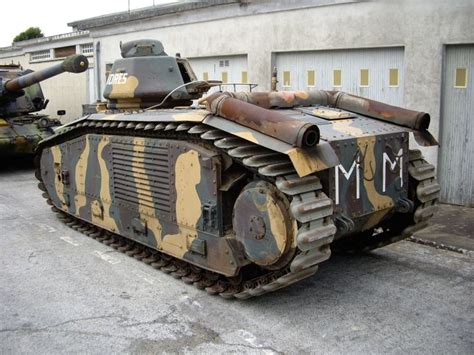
{"x":63,"y":292}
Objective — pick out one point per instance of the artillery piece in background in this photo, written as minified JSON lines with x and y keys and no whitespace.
{"x":246,"y":195}
{"x":20,"y":97}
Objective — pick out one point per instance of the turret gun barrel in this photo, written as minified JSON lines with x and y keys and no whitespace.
{"x":73,"y":64}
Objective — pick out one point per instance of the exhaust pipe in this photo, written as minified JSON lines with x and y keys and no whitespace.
{"x":272,"y":123}
{"x":338,"y":99}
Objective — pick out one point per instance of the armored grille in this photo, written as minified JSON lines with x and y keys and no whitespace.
{"x":141,"y":178}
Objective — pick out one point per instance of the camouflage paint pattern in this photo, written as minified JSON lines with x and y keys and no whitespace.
{"x":20,"y":136}
{"x":165,"y":193}
{"x":371,"y":178}
{"x":269,"y":236}
{"x":153,"y":191}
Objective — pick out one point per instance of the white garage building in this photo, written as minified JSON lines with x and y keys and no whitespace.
{"x":414,"y":53}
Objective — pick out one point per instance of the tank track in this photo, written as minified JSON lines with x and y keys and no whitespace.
{"x":309,"y":206}
{"x":424,"y":191}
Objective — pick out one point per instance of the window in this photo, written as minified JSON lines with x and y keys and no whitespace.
{"x":393,"y":77}
{"x":460,"y":78}
{"x":63,"y":52}
{"x":364,"y":78}
{"x":337,"y":77}
{"x":223,"y":63}
{"x":46,"y":54}
{"x":87,"y":48}
{"x":224,"y":77}
{"x":286,"y":78}
{"x":311,"y":78}
{"x":244,"y":77}
{"x":205,"y":76}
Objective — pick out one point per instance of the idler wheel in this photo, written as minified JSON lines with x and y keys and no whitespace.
{"x":263,"y":225}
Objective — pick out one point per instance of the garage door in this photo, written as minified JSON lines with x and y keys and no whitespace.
{"x":456,"y":166}
{"x":376,"y":73}
{"x":229,"y":69}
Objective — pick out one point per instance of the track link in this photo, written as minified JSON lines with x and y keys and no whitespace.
{"x":309,"y":205}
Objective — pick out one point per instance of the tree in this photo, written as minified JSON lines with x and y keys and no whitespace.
{"x":32,"y":32}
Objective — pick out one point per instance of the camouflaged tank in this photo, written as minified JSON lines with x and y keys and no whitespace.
{"x":244,"y":195}
{"x":20,"y":96}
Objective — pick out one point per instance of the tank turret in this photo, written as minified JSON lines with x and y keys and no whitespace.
{"x":146,"y":76}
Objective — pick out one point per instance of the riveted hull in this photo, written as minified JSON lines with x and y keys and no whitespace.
{"x":164,"y":192}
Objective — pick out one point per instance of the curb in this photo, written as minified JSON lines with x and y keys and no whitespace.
{"x":442,"y":246}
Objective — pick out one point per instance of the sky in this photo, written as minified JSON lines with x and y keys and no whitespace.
{"x":52,"y":16}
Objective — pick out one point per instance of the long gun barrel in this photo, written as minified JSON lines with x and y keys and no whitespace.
{"x":73,"y":64}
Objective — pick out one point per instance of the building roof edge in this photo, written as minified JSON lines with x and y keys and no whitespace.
{"x":147,"y":12}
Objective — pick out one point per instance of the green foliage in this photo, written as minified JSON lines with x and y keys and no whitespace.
{"x":32,"y":32}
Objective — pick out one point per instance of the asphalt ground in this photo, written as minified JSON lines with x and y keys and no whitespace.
{"x":62,"y":292}
{"x":452,"y":228}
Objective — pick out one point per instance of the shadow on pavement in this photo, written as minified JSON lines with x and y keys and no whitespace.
{"x":18,"y":164}
{"x":343,"y":278}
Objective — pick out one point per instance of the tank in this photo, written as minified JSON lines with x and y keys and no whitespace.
{"x":20,"y":96}
{"x":239,"y":194}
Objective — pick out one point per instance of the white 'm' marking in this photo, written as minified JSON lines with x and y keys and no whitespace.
{"x":398,"y":159}
{"x":347,"y":175}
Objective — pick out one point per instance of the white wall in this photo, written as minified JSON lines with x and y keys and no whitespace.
{"x":378,"y":62}
{"x":66,"y":91}
{"x":215,"y":67}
